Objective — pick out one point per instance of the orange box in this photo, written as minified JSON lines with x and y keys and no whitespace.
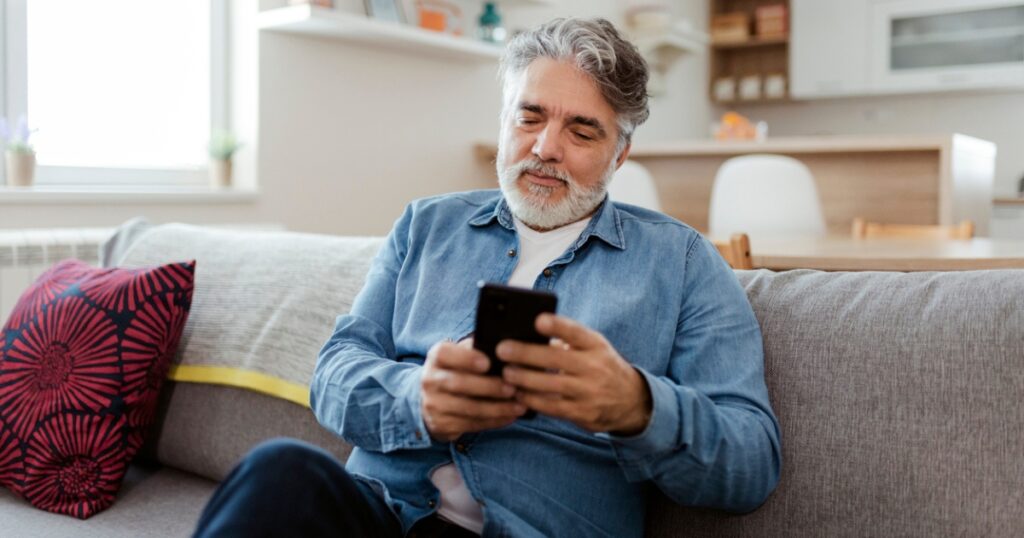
{"x":433,"y":20}
{"x":771,"y":21}
{"x":730,"y":27}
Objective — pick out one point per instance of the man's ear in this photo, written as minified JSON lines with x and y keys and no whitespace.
{"x":622,"y":156}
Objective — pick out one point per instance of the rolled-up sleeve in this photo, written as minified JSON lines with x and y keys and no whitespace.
{"x":359,"y":390}
{"x":712,"y":439}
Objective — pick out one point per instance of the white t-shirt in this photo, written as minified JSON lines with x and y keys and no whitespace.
{"x":536,"y":251}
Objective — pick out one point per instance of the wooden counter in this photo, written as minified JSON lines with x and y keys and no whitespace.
{"x":930,"y":179}
{"x":940,"y":179}
{"x":1010,"y":201}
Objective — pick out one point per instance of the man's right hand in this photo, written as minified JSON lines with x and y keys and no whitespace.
{"x":458,"y":396}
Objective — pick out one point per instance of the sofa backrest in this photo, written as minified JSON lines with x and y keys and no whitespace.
{"x":899,"y":397}
{"x":899,"y":394}
{"x":264,"y":303}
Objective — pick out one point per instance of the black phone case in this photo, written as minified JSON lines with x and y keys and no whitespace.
{"x":507,"y":313}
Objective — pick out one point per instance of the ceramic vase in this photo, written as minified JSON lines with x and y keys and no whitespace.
{"x":21,"y":167}
{"x":220,"y":173}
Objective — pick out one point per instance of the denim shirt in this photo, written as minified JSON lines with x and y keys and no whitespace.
{"x":654,"y":287}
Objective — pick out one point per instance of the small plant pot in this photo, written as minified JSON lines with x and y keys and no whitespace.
{"x":220,"y":172}
{"x":21,"y":168}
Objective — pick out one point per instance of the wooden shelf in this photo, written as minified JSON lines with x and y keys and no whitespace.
{"x":751,"y":43}
{"x":323,"y":22}
{"x":733,"y":60}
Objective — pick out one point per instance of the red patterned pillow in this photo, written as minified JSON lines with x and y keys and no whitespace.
{"x":82,"y":359}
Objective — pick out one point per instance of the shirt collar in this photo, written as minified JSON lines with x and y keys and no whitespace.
{"x":606,"y":224}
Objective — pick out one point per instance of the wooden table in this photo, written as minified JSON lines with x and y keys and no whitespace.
{"x":848,"y":254}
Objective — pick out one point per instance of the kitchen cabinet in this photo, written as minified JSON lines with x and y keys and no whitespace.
{"x":748,"y":64}
{"x":874,"y":47}
{"x":1008,"y":217}
{"x":828,"y":48}
{"x":935,"y":45}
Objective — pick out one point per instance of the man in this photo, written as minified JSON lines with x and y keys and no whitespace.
{"x":653,"y":377}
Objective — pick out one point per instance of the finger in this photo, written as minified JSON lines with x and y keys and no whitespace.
{"x":466,"y":342}
{"x":474,"y":408}
{"x":452,"y":356}
{"x":546,"y":404}
{"x":466,"y":384}
{"x":538,"y":381}
{"x":571,"y":332}
{"x":540,"y":356}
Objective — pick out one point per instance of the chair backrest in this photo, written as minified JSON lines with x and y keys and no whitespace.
{"x":763,"y":196}
{"x":863,"y":229}
{"x":736,"y":251}
{"x":633,"y":184}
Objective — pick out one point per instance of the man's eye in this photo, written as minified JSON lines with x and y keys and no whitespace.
{"x":527,"y":121}
{"x":583,"y":136}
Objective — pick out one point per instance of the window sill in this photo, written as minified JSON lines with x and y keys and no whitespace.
{"x":64,"y":194}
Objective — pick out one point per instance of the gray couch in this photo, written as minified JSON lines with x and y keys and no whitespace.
{"x":899,"y":395}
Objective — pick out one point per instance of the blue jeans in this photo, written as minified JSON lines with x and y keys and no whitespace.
{"x":285,"y":487}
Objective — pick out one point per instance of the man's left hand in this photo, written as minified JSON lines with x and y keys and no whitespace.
{"x":578,"y":377}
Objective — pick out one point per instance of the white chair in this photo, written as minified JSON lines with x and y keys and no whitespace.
{"x":633,"y":184}
{"x":765,"y":196}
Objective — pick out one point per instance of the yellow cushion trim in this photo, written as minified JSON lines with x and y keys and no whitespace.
{"x":243,"y":379}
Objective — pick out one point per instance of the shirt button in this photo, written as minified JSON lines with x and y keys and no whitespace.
{"x":419,"y":435}
{"x":461,"y":448}
{"x":547,"y":272}
{"x":511,"y":253}
{"x":431,"y":503}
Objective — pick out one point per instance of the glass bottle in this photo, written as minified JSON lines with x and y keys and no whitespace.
{"x":491,"y":29}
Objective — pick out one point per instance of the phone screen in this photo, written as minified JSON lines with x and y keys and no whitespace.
{"x":507,"y":313}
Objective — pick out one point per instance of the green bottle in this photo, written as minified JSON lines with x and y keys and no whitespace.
{"x":490,"y":24}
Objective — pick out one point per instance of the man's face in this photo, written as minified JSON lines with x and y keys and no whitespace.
{"x":556,"y":152}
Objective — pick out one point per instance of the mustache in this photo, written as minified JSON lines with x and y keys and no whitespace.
{"x":532,"y":165}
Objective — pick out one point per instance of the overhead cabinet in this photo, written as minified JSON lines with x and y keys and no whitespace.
{"x":947,"y":44}
{"x":862,"y":47}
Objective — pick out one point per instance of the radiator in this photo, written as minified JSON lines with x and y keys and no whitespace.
{"x":25,"y":254}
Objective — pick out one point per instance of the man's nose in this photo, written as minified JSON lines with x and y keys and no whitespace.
{"x":548,"y":147}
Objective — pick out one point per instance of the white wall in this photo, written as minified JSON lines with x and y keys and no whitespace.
{"x":348,"y":134}
{"x":997,"y":117}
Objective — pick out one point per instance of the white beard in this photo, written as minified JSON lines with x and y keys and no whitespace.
{"x":535,"y":209}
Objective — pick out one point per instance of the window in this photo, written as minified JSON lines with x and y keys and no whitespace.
{"x":121,"y":91}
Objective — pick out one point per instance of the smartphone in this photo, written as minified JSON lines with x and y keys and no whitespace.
{"x":507,"y":313}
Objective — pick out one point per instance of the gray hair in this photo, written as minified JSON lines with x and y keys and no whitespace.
{"x":596,"y":48}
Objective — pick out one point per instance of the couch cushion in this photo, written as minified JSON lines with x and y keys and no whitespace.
{"x":264,"y":304}
{"x":207,"y":428}
{"x":152,"y":502}
{"x":899,"y":398}
{"x":82,"y":360}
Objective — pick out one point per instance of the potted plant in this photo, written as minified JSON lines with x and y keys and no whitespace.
{"x":222,"y":147}
{"x":21,"y":156}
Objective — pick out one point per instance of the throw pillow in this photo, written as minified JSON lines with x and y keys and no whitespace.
{"x":82,"y":359}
